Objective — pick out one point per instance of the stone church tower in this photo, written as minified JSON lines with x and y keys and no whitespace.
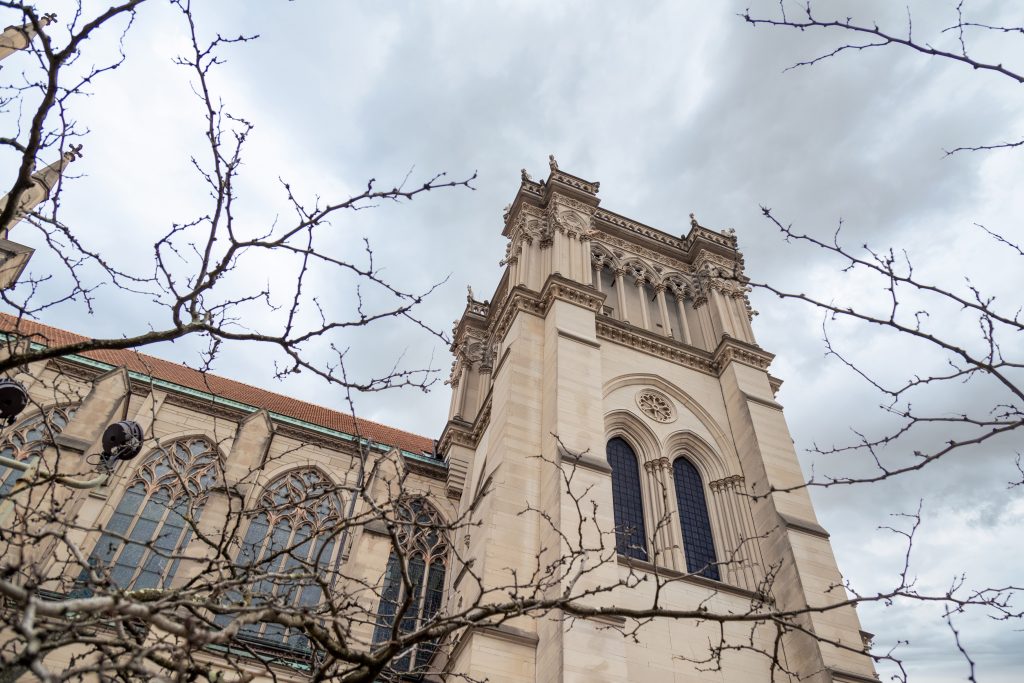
{"x":613,"y":375}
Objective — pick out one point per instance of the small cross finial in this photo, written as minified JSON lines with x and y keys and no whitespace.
{"x":74,"y":152}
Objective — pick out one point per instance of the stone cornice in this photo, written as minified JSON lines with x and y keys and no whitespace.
{"x":658,"y":257}
{"x":556,"y":288}
{"x":804,"y":525}
{"x":520,"y":298}
{"x":87,"y":370}
{"x":584,"y":459}
{"x":656,"y":345}
{"x":730,"y":349}
{"x":843,"y":676}
{"x":562,"y":289}
{"x":699,"y":243}
{"x":673,"y":575}
{"x":205,"y":406}
{"x":462,"y":433}
{"x":457,"y":432}
{"x":511,"y":634}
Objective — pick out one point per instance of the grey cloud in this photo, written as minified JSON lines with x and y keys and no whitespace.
{"x":673,"y":109}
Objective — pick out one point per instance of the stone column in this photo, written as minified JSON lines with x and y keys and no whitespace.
{"x":740,"y":302}
{"x":588,"y":270}
{"x":460,"y":386}
{"x":644,"y":315}
{"x":666,"y":326}
{"x":685,"y":331}
{"x":671,"y":532}
{"x":620,"y":288}
{"x":700,"y":305}
{"x":525,"y":263}
{"x":738,"y":553}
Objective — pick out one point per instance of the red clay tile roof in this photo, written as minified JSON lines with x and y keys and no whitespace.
{"x":223,"y":387}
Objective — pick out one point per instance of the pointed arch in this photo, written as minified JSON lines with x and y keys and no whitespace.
{"x":152,"y":524}
{"x":719,"y":442}
{"x":629,"y":427}
{"x":600,"y":256}
{"x":678,"y":283}
{"x":606,"y":265}
{"x":677,"y":290}
{"x":698,"y":542}
{"x":27,"y":440}
{"x":640,"y":270}
{"x":627,"y":498}
{"x":423,"y":548}
{"x":700,"y":453}
{"x":294,"y":535}
{"x":641,"y":294}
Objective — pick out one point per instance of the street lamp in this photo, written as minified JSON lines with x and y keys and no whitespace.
{"x":121,"y":441}
{"x":13,"y":399}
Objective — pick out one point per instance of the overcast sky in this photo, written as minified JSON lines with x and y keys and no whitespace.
{"x":674,"y":107}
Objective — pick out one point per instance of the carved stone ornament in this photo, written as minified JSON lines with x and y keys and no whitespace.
{"x":656,"y":406}
{"x":572,"y":222}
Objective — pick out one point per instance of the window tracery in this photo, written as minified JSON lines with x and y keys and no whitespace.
{"x":29,"y":438}
{"x":422,"y":543}
{"x":655,"y":406}
{"x":152,"y":522}
{"x":289,"y":546}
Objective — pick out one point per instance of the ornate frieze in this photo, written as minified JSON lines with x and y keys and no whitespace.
{"x":567,"y":290}
{"x":734,"y":350}
{"x":676,"y":352}
{"x":641,"y":229}
{"x":461,"y":433}
{"x":655,"y":346}
{"x":734,"y":482}
{"x":667,"y":261}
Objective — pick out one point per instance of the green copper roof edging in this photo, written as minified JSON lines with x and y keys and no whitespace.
{"x":213,"y":398}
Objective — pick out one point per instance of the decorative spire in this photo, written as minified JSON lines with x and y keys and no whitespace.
{"x":43,"y":182}
{"x":16,"y":38}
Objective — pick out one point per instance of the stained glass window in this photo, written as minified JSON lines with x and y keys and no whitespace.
{"x":422,"y":540}
{"x":151,"y":525}
{"x":630,"y":535}
{"x":289,"y":546}
{"x":26,"y":440}
{"x":698,"y":543}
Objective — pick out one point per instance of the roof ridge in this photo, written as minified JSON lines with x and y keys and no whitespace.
{"x":285,"y":405}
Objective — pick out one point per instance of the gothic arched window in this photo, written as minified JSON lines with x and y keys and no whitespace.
{"x":29,"y":438}
{"x":153,"y":521}
{"x":421,"y":540}
{"x":294,"y":533}
{"x":698,"y":543}
{"x":630,"y":535}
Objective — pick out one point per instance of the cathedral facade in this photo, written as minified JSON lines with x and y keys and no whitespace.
{"x":616,"y":482}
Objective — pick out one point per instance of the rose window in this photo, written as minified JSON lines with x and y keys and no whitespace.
{"x":655,"y":406}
